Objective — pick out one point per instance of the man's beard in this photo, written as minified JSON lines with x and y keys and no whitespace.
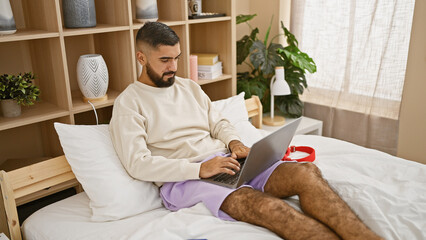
{"x":158,"y":80}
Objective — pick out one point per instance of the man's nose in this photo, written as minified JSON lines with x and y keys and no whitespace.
{"x":173,"y":65}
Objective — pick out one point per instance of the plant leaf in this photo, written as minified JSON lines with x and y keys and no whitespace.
{"x":244,"y":45}
{"x":265,"y":58}
{"x":290,"y":106}
{"x":295,"y":78}
{"x":244,"y":18}
{"x":291,"y":39}
{"x":299,"y":58}
{"x":265,"y":42}
{"x":19,"y":88}
{"x":251,"y":85}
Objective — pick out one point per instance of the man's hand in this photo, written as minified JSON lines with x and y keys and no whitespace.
{"x":238,"y":150}
{"x":218,"y":165}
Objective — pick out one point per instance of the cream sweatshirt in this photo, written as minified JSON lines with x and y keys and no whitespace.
{"x":162,"y":134}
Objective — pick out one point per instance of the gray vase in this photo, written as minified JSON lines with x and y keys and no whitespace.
{"x":10,"y":108}
{"x":79,"y":13}
{"x":146,"y":10}
{"x":7,"y":22}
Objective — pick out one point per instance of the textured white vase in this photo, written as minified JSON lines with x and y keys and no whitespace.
{"x":92,"y":76}
{"x":10,"y":108}
{"x":146,"y":10}
{"x":7,"y":22}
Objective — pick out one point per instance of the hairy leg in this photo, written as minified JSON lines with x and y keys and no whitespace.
{"x":317,"y":199}
{"x":252,"y":206}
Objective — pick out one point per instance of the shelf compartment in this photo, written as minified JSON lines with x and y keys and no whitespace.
{"x":35,"y":15}
{"x":80,"y":106}
{"x":168,"y":11}
{"x":213,"y":37}
{"x":89,"y":118}
{"x":40,"y":111}
{"x":221,"y":78}
{"x":42,"y":57}
{"x":22,"y":35}
{"x":137,"y":25}
{"x":30,"y":144}
{"x":109,"y":14}
{"x":217,"y":6}
{"x":100,"y":28}
{"x":214,"y":6}
{"x":219,"y":89}
{"x":206,"y":20}
{"x":117,"y":53}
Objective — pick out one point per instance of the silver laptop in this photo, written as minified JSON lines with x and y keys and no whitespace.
{"x":263,"y":154}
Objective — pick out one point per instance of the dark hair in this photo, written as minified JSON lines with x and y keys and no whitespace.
{"x":156,"y":33}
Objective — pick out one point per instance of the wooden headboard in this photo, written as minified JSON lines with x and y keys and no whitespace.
{"x":35,"y":181}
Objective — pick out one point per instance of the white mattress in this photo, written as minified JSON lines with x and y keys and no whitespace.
{"x":388,"y":194}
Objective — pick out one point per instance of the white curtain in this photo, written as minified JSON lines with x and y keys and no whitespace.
{"x":360,"y":48}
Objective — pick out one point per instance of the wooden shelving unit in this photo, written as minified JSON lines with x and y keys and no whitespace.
{"x":43,"y":46}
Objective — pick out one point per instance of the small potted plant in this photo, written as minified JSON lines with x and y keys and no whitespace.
{"x":16,"y":91}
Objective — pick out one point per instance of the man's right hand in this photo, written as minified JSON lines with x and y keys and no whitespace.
{"x":218,"y":165}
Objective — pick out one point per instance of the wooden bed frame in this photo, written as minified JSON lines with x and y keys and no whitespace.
{"x":35,"y":181}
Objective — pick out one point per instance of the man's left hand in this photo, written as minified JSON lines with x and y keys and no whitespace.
{"x":238,"y":150}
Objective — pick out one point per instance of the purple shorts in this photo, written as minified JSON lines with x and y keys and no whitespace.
{"x":177,"y":195}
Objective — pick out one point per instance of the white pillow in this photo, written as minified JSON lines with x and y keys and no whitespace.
{"x":113,"y":193}
{"x":234,"y":109}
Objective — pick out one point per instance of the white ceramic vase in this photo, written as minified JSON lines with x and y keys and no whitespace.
{"x":10,"y":108}
{"x":92,"y":76}
{"x":146,"y":10}
{"x":7,"y":22}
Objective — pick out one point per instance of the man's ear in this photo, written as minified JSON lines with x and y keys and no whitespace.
{"x":141,"y":57}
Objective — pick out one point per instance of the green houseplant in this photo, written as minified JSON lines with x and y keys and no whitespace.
{"x":263,"y":57}
{"x":17,"y":90}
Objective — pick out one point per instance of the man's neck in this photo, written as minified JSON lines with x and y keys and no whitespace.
{"x":144,"y":78}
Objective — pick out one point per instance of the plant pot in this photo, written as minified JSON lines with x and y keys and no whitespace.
{"x":92,"y":76}
{"x":7,"y":22}
{"x":10,"y":108}
{"x":79,"y":13}
{"x":146,"y":10}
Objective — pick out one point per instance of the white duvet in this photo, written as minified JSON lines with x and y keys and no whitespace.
{"x":388,"y":194}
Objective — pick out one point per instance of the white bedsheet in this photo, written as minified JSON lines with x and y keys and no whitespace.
{"x":388,"y":194}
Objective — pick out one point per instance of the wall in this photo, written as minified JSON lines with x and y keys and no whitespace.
{"x":279,"y":9}
{"x":412,"y":124}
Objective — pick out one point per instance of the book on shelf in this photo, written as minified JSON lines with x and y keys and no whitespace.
{"x":210,"y":68}
{"x":207,"y":58}
{"x":209,"y":75}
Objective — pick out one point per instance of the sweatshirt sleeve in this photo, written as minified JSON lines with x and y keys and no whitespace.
{"x":220,"y":127}
{"x":129,"y":136}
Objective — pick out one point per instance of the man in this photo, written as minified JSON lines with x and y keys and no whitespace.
{"x":166,"y":131}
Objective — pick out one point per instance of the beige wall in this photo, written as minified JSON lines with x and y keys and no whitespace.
{"x":412,"y":125}
{"x":280,"y":9}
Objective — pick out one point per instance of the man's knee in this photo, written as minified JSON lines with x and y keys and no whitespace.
{"x":246,"y":203}
{"x":312,"y":169}
{"x":307,"y":170}
{"x":239,"y":202}
{"x":304,"y":175}
{"x":240,"y":198}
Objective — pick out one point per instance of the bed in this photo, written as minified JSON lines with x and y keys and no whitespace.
{"x":388,"y":193}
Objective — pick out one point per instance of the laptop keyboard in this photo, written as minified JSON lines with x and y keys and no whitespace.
{"x":227,"y":178}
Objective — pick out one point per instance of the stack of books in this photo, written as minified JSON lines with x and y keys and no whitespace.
{"x":209,"y":66}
